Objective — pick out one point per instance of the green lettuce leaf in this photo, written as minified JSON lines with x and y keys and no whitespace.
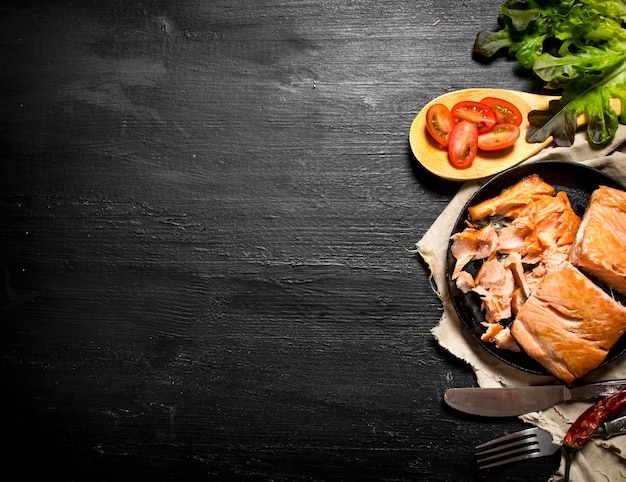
{"x":577,"y":46}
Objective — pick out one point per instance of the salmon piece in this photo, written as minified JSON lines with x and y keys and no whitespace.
{"x":600,"y":247}
{"x":516,"y":196}
{"x":549,"y":260}
{"x":554,"y":224}
{"x":473,"y":243}
{"x":465,"y":282}
{"x":464,"y":247}
{"x":495,"y":284}
{"x":492,"y":329}
{"x":487,"y":242}
{"x":512,"y":238}
{"x":501,"y":336}
{"x":569,"y":324}
{"x":535,"y":275}
{"x":514,"y":262}
{"x":517,"y":300}
{"x":505,"y":341}
{"x":560,"y":225}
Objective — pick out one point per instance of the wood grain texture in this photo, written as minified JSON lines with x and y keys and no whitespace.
{"x":207,"y":213}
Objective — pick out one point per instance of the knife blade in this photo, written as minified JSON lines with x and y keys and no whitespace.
{"x":514,"y":401}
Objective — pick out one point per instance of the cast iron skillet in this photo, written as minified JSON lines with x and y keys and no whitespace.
{"x":578,"y":181}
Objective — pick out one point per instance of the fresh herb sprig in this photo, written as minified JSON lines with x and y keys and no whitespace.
{"x":577,"y":46}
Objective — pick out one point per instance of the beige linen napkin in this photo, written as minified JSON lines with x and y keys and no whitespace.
{"x":600,"y":460}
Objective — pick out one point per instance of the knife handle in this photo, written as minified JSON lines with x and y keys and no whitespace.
{"x":617,"y":426}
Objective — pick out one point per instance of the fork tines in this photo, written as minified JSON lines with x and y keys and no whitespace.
{"x":526,"y":444}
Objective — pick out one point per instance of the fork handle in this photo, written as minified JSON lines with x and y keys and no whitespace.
{"x":617,"y":426}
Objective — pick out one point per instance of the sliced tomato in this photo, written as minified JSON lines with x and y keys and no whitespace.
{"x":439,"y":123}
{"x":463,"y":144}
{"x":500,"y":137}
{"x":477,"y":113}
{"x":506,"y":112}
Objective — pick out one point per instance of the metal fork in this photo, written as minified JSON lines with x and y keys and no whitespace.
{"x":526,"y":444}
{"x":531,"y":443}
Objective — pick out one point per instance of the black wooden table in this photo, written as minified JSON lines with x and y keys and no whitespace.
{"x":207,"y":213}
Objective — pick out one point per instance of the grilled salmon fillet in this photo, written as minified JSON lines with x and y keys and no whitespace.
{"x":518,"y":196}
{"x":569,"y":324}
{"x":600,"y":245}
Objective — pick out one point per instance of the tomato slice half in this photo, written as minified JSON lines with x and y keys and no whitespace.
{"x":477,"y":113}
{"x":463,"y":144}
{"x":506,"y":112}
{"x":439,"y":123}
{"x":500,"y":137}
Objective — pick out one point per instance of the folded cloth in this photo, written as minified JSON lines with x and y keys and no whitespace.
{"x":601,"y":460}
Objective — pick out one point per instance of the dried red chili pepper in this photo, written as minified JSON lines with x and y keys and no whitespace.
{"x":588,"y":422}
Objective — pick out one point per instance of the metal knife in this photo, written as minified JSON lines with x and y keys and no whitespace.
{"x":610,"y":428}
{"x":510,"y":402}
